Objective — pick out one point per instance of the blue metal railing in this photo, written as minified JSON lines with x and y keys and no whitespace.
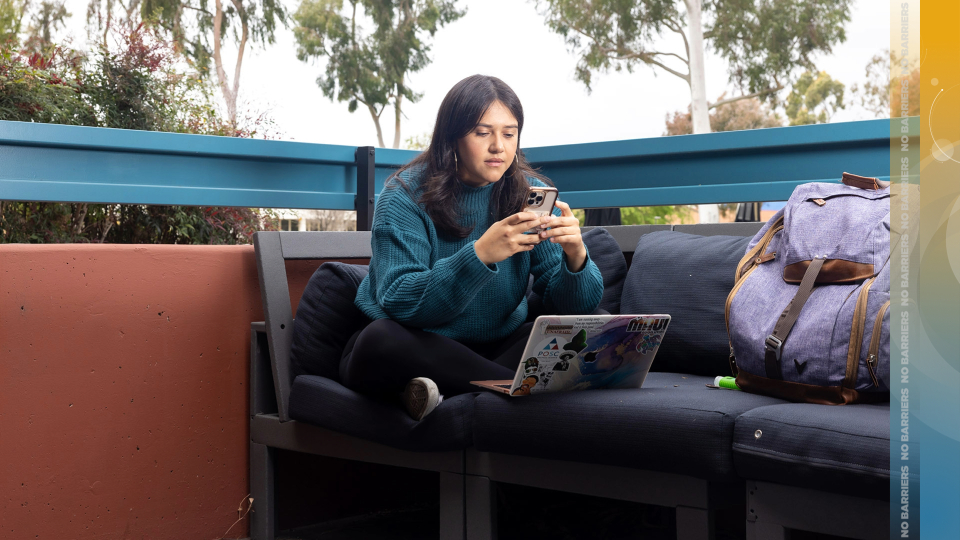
{"x":46,"y":162}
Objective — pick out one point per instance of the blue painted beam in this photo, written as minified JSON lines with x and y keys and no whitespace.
{"x":152,"y":142}
{"x":45,"y":162}
{"x":748,"y":141}
{"x":755,"y":165}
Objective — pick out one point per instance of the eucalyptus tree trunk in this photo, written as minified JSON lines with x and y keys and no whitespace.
{"x":396,"y":132}
{"x":700,"y":115}
{"x":376,"y":120}
{"x":397,"y":112}
{"x":128,"y":19}
{"x":229,"y":91}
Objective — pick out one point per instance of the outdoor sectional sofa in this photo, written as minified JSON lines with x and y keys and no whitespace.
{"x":674,"y":443}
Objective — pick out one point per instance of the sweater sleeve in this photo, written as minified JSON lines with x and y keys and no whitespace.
{"x":408,"y":288}
{"x":564,"y":292}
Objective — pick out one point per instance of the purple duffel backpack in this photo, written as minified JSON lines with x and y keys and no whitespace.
{"x":808,"y":316}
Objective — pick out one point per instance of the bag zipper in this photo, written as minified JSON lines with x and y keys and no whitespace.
{"x":759,"y":248}
{"x":873,"y":354}
{"x":755,"y":255}
{"x":856,"y":334}
{"x":826,"y":198}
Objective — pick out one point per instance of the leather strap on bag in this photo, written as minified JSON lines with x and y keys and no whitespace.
{"x":864,"y":182}
{"x":774,"y":343}
{"x":749,"y":260}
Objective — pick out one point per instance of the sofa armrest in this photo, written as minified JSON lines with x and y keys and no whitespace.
{"x":263,"y":395}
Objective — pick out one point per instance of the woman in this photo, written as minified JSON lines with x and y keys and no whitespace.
{"x":451,"y":262}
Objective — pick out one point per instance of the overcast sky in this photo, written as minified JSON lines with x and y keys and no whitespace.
{"x":509,"y":40}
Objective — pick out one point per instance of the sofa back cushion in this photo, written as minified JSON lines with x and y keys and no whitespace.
{"x":606,"y":254}
{"x":326,"y":318}
{"x":688,"y":277}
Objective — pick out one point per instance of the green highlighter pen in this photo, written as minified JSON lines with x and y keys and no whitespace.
{"x":729,"y":383}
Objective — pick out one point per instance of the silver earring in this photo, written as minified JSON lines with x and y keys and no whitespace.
{"x":456,"y":165}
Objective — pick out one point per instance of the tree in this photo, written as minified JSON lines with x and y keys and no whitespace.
{"x":880,"y":94}
{"x":104,"y":15}
{"x":418,"y":142}
{"x":813,"y":99}
{"x":43,"y":86}
{"x":243,"y":20}
{"x":135,"y":87}
{"x":653,"y":215}
{"x":370,"y":48}
{"x":645,"y":215}
{"x":734,"y":116}
{"x":11,"y":19}
{"x":49,"y":17}
{"x":763,"y":42}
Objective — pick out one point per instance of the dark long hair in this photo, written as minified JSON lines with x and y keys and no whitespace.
{"x":459,"y":114}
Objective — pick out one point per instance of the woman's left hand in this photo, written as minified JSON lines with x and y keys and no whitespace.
{"x":565,"y":230}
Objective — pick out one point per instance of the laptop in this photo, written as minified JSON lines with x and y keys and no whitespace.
{"x":577,"y":352}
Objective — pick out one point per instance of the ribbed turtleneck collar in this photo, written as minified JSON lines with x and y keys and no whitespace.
{"x":474,"y":202}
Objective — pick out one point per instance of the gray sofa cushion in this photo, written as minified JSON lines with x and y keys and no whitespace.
{"x":326,"y":403}
{"x":326,"y":318}
{"x":673,"y":424}
{"x":845,"y":449}
{"x":688,"y":277}
{"x":605,"y":253}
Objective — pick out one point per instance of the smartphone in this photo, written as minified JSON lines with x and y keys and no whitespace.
{"x":540,"y":201}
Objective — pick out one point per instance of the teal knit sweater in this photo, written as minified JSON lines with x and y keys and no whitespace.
{"x":421,"y":279}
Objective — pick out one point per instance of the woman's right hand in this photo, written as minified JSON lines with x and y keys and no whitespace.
{"x":506,"y":237}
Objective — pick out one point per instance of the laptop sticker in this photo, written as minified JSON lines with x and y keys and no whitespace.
{"x":526,"y":386}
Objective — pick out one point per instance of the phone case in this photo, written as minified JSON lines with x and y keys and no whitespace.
{"x":540,"y":201}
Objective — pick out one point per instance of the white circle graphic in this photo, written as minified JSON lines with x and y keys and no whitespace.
{"x":942,"y":149}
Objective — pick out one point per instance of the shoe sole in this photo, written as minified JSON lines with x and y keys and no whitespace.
{"x":417,"y":399}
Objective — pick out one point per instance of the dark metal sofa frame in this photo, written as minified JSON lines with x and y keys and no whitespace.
{"x":271,"y":379}
{"x":468,"y":477}
{"x":774,"y":509}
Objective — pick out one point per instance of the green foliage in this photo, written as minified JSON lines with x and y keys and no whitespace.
{"x":103,"y":16}
{"x":763,"y":41}
{"x":36,"y":222}
{"x":189,"y":24}
{"x":11,"y":19}
{"x":874,"y":93}
{"x":611,"y":34}
{"x":653,"y":215}
{"x":49,"y":17}
{"x":138,"y":224}
{"x":41,"y":83}
{"x":134,"y":87}
{"x":137,"y":86}
{"x":742,"y":114}
{"x":418,"y":142}
{"x":38,"y":88}
{"x":647,"y":215}
{"x":813,"y":99}
{"x":370,"y":47}
{"x":880,"y":93}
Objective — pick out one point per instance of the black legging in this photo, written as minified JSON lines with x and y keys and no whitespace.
{"x":383,"y":356}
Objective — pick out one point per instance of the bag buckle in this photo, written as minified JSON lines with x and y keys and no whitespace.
{"x":775,"y":344}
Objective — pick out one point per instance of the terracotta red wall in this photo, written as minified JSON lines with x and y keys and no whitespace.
{"x":123,"y":389}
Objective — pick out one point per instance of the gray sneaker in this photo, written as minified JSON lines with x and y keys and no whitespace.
{"x":420,"y":397}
